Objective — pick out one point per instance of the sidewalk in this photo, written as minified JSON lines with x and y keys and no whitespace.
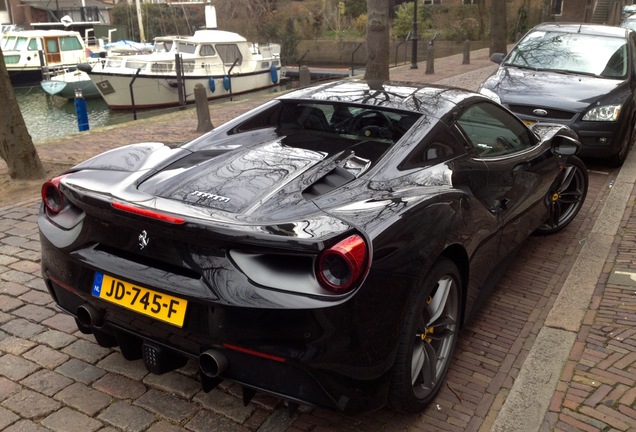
{"x":578,"y":374}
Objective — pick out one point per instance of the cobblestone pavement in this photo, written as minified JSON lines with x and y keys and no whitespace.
{"x":53,"y":377}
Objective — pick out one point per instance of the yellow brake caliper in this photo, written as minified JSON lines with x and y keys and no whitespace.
{"x":428,"y":330}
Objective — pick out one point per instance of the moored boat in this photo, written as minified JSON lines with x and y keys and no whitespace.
{"x":67,"y":83}
{"x":27,"y":52}
{"x":225,"y":63}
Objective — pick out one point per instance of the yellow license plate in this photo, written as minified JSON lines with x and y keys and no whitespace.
{"x":139,"y":299}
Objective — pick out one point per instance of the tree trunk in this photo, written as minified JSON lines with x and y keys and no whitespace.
{"x":16,"y":145}
{"x":377,"y":67}
{"x":498,"y":27}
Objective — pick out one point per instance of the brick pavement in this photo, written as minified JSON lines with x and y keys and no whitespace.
{"x":53,"y":377}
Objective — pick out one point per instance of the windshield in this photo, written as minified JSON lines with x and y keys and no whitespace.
{"x":572,"y":52}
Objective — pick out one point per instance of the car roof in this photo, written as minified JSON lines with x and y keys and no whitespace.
{"x":426,"y":99}
{"x":588,"y":29}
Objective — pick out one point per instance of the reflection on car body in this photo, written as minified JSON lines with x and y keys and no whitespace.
{"x":325,"y":247}
{"x":579,"y":75}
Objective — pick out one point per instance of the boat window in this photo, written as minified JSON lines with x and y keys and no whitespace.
{"x":70,"y":43}
{"x":229,"y":53}
{"x":164,"y":46}
{"x":7,"y":43}
{"x":52,"y":46}
{"x":18,"y":43}
{"x":161,"y":67}
{"x":113,"y":63}
{"x":187,"y":48}
{"x":11,"y":59}
{"x":33,"y":45}
{"x":135,"y":64}
{"x":265,"y":65}
{"x":207,"y":50}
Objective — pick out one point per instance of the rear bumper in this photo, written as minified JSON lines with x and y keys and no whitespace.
{"x":276,"y":370}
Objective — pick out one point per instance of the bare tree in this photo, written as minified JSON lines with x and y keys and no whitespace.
{"x":16,"y":145}
{"x":377,"y":67}
{"x":498,"y":27}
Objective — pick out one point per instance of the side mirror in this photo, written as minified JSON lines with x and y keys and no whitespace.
{"x":565,"y":145}
{"x":497,"y":58}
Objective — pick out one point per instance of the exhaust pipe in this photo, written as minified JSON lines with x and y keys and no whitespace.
{"x":213,"y":363}
{"x":89,"y":317}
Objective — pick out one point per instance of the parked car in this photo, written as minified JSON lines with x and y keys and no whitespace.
{"x":628,"y":10}
{"x":579,"y":75}
{"x":325,"y":247}
{"x":629,"y":22}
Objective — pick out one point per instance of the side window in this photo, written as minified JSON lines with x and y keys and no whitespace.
{"x":70,"y":43}
{"x":439,"y":146}
{"x":229,"y":53}
{"x":207,"y":50}
{"x":492,"y":131}
{"x":270,"y":117}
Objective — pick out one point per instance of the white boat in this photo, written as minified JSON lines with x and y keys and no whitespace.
{"x":27,"y":52}
{"x":225,"y":63}
{"x":65,"y":83}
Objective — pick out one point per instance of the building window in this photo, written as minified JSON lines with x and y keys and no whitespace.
{"x":3,"y":5}
{"x":557,"y":7}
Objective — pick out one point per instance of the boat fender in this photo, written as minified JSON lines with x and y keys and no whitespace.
{"x":274,"y":73}
{"x":212,"y":85}
{"x":226,"y":82}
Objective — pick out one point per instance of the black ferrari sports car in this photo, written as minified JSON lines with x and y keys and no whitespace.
{"x":326,"y":247}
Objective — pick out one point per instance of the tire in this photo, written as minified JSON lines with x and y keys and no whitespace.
{"x":427,"y":339}
{"x":619,"y":158}
{"x":566,"y":197}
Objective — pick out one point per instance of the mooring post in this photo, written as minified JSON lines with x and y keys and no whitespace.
{"x":81,"y":111}
{"x":430,"y":59}
{"x":304,"y":76}
{"x":466,"y":52}
{"x":430,"y":56}
{"x":203,"y":109}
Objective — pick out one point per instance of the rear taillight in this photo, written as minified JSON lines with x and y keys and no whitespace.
{"x":340,"y":267}
{"x":52,"y":196}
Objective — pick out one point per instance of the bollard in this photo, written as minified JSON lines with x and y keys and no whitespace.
{"x":466,"y":52}
{"x":430,"y":66}
{"x":81,"y":111}
{"x":203,"y":109}
{"x":304,"y":76}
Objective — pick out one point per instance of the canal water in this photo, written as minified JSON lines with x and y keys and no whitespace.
{"x":49,"y":116}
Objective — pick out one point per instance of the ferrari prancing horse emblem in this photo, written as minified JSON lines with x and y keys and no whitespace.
{"x":143,"y":239}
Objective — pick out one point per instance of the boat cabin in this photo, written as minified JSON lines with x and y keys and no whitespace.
{"x":28,"y":51}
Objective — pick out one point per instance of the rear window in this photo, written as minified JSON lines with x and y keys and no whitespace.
{"x":346,"y":120}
